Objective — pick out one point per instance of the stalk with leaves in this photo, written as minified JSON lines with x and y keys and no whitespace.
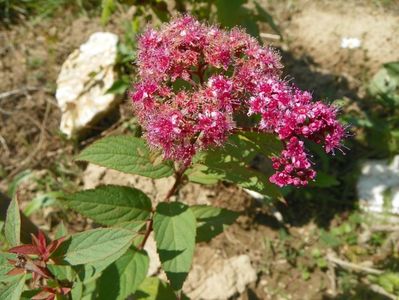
{"x":197,"y":82}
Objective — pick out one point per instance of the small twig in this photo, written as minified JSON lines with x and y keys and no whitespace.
{"x":332,"y":277}
{"x":351,"y":266}
{"x":3,"y":142}
{"x":17,"y":92}
{"x":270,"y":36}
{"x":386,"y":228}
{"x":381,"y":291}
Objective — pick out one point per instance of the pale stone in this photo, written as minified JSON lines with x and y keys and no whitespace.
{"x":378,"y":186}
{"x":216,"y":278}
{"x":85,"y":77}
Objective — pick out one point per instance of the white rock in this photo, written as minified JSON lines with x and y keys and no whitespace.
{"x":84,"y":78}
{"x":216,"y":278}
{"x":378,"y":186}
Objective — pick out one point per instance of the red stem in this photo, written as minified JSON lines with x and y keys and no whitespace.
{"x":171,"y":192}
{"x":147,"y":233}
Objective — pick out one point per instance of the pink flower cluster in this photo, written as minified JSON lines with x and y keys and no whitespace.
{"x":196,"y":77}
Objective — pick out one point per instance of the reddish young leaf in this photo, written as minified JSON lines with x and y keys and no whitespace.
{"x":16,"y":271}
{"x":25,"y":249}
{"x":40,"y":242}
{"x":52,"y":247}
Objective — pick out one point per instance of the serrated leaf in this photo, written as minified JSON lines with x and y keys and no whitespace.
{"x":126,"y":154}
{"x":211,"y":221}
{"x":92,"y":271}
{"x":111,"y":204}
{"x":96,"y":245}
{"x":175,"y":230}
{"x":154,"y":288}
{"x":235,"y":162}
{"x":77,"y":290}
{"x":61,"y":231}
{"x":130,"y":269}
{"x":5,"y":267}
{"x":14,"y":289}
{"x":198,"y":174}
{"x":62,"y":272}
{"x":12,"y":227}
{"x":134,"y":226}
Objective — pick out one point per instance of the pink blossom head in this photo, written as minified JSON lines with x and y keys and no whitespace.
{"x":194,"y":78}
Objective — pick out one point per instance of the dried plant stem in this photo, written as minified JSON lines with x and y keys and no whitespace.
{"x":351,"y":266}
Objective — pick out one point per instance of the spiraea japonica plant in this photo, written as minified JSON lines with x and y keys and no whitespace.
{"x":210,"y":101}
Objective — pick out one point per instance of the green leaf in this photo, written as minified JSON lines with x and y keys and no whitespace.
{"x":29,"y":294}
{"x":324,"y":180}
{"x":175,"y":230}
{"x":127,"y":154}
{"x":229,"y":12}
{"x":329,"y":239}
{"x":12,"y":227}
{"x":235,"y":162}
{"x":77,"y":290}
{"x":211,"y":221}
{"x":96,"y":245}
{"x":385,"y":85}
{"x":92,"y":271}
{"x":264,"y":16}
{"x":17,"y":180}
{"x":130,"y":269}
{"x":62,"y":272}
{"x":111,"y":204}
{"x":118,"y":87}
{"x":198,"y":174}
{"x":134,"y":226}
{"x":61,"y":231}
{"x":154,"y":288}
{"x":5,"y":267}
{"x":108,"y":7}
{"x":41,"y":201}
{"x":14,"y":289}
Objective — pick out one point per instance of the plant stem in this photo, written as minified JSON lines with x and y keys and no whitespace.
{"x":147,"y":232}
{"x":178,"y":180}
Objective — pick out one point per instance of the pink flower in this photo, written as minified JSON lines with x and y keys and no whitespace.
{"x":213,"y":126}
{"x":195,"y":78}
{"x":293,"y":167}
